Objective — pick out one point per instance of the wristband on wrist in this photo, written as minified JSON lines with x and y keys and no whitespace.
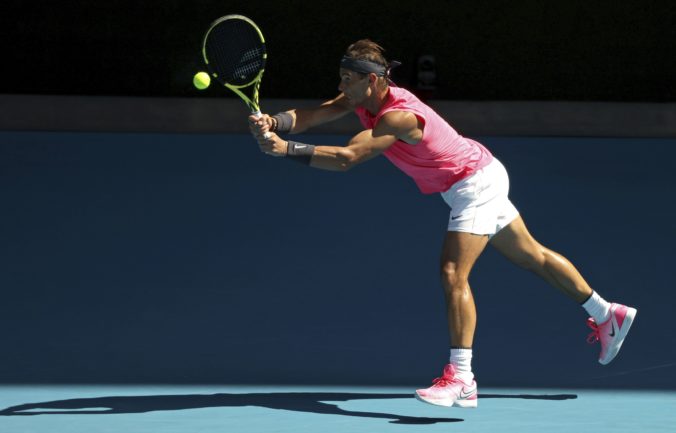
{"x":282,"y":122}
{"x":300,"y":152}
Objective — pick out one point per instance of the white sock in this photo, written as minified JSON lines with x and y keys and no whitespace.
{"x":598,"y":308}
{"x":462,"y":361}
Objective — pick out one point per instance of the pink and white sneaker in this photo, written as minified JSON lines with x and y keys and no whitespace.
{"x":612,"y":332}
{"x":449,"y":391}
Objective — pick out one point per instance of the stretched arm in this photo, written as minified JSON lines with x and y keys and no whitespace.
{"x":367,"y":144}
{"x":303,"y":119}
{"x":362,"y":147}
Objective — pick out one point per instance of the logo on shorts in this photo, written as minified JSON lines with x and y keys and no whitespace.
{"x":455,"y":217}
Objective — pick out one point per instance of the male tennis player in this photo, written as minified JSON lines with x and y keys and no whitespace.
{"x":472,"y":182}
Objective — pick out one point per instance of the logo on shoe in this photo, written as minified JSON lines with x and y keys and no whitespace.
{"x":465,"y":394}
{"x":612,"y":329}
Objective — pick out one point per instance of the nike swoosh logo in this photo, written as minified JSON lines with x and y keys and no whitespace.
{"x":464,"y":394}
{"x":612,"y":329}
{"x":455,"y":217}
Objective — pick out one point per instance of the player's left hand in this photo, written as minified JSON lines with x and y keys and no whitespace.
{"x":273,"y":145}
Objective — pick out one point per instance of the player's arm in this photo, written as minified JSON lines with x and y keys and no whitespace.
{"x":297,"y":120}
{"x":304,"y":119}
{"x":362,"y":147}
{"x":367,"y":144}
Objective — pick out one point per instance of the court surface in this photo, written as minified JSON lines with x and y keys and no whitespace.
{"x":160,"y":409}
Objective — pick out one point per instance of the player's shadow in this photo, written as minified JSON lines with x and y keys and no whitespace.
{"x":310,"y":402}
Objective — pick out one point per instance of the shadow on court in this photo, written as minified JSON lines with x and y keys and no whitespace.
{"x":310,"y":402}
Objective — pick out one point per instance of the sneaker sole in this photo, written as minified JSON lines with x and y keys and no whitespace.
{"x":628,"y":321}
{"x":465,"y":404}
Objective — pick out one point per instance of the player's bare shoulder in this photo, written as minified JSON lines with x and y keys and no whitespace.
{"x":404,"y":124}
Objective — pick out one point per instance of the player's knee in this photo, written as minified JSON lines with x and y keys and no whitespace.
{"x":452,"y":279}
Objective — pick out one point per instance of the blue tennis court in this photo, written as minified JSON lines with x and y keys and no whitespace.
{"x":185,"y":282}
{"x":331,"y":409}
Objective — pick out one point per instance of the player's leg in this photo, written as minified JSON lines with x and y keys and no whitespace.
{"x":456,"y":386}
{"x":459,"y":254}
{"x":610,"y":322}
{"x":517,"y":244}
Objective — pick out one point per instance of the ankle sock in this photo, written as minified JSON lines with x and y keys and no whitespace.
{"x":597,"y":307}
{"x":462,"y":361}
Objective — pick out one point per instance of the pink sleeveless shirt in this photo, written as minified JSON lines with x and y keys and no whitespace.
{"x":441,"y":158}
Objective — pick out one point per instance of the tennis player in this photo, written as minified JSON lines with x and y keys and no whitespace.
{"x":471,"y":181}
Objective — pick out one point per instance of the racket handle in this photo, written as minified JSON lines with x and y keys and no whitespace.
{"x":258,"y":114}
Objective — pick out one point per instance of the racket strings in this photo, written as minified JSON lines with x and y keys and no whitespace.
{"x":235,"y":52}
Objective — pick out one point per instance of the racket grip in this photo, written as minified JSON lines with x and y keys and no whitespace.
{"x":258,"y":114}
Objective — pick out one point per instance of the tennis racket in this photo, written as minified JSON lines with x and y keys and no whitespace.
{"x":234,"y":53}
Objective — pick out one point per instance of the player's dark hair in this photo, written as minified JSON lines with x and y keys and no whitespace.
{"x":366,"y":49}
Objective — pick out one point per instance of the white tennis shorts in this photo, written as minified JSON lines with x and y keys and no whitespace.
{"x":480,"y":203}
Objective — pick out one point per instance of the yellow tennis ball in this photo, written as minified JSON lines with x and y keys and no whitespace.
{"x":201,"y":80}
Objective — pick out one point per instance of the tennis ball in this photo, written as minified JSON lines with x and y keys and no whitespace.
{"x":201,"y":80}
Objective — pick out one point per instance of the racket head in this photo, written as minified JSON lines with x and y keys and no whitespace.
{"x":234,"y":51}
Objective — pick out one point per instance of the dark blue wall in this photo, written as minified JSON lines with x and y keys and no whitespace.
{"x":194,"y":258}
